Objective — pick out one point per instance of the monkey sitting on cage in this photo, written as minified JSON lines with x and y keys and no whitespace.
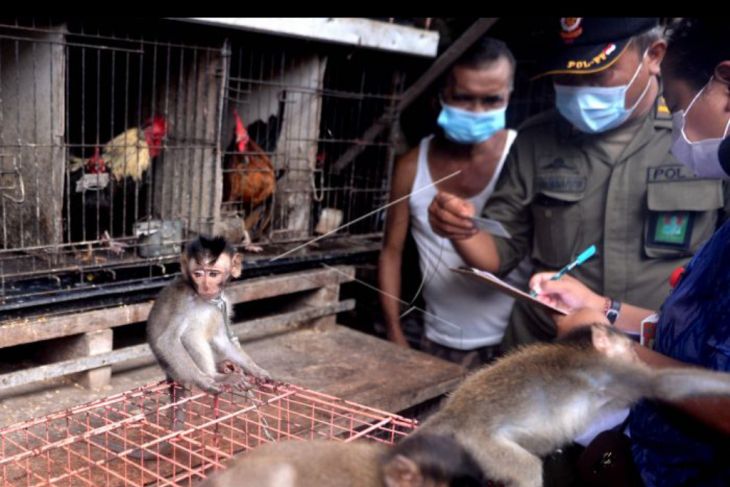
{"x":187,"y":327}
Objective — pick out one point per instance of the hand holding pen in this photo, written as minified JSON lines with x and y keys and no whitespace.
{"x":584,"y":256}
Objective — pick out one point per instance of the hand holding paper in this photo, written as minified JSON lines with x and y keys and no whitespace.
{"x":491,"y":226}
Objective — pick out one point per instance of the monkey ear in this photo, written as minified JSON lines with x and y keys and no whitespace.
{"x":236,"y":265}
{"x":401,"y":471}
{"x":601,"y":340}
{"x":611,"y":343}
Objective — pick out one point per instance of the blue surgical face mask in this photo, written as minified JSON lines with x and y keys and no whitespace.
{"x":465,"y":127}
{"x":702,"y":156}
{"x":595,"y":109}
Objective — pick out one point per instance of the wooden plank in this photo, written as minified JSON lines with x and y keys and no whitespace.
{"x":270,"y":286}
{"x":272,"y":325}
{"x":59,"y":369}
{"x":353,"y":31}
{"x":247,"y":331}
{"x":357,"y":367}
{"x":33,"y":158}
{"x":17,"y":332}
{"x":456,"y":49}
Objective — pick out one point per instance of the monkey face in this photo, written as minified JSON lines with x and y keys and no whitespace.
{"x":209,"y":278}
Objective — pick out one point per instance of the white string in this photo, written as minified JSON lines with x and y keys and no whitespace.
{"x":265,"y":425}
{"x":380,"y":291}
{"x":426,"y":278}
{"x":396,"y":201}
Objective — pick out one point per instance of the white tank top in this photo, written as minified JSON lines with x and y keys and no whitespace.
{"x":462,"y":314}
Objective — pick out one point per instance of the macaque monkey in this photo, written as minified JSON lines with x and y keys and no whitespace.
{"x":188,"y":333}
{"x":425,"y":461}
{"x":537,"y":399}
{"x":187,"y":326}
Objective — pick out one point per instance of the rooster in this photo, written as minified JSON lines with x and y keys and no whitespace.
{"x":123,"y":160}
{"x":129,"y":153}
{"x":249,"y":179}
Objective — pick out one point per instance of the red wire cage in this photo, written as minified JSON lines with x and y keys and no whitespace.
{"x":98,"y":443}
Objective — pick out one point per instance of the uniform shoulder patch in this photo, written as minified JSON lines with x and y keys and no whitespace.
{"x":661,"y":111}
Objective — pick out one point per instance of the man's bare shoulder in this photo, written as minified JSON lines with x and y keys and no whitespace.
{"x":405,"y":169}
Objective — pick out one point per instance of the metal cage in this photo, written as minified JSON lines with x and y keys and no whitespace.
{"x":91,"y":444}
{"x":118,"y":143}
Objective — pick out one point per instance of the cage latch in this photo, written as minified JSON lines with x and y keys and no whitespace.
{"x":11,"y":181}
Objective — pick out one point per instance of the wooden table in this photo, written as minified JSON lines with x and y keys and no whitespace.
{"x":355,"y":366}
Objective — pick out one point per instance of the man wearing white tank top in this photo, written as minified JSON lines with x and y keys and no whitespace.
{"x":464,"y":322}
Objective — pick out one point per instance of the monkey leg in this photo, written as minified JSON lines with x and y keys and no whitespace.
{"x":503,"y":460}
{"x":178,"y":412}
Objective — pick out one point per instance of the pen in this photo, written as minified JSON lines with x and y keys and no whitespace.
{"x":584,"y":256}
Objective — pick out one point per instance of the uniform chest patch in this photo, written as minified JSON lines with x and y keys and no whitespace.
{"x":671,"y":228}
{"x":558,"y":175}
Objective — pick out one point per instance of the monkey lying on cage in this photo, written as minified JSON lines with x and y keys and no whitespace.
{"x":497,"y":423}
{"x":537,"y":399}
{"x":423,"y":461}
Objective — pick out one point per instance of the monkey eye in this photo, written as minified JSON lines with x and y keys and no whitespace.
{"x":198,"y":274}
{"x":215,"y":273}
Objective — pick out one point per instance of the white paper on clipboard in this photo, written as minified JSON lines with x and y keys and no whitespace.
{"x":491,"y":226}
{"x":500,"y":285}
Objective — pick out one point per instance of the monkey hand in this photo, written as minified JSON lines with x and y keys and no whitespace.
{"x":275,"y":384}
{"x":235,"y":382}
{"x":209,"y":385}
{"x":228,"y":367}
{"x":264,"y":378}
{"x":258,"y":373}
{"x":450,"y":216}
{"x":567,"y":293}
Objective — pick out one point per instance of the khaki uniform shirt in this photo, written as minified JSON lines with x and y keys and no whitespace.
{"x":562,"y":191}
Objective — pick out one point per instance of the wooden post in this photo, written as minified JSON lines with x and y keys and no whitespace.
{"x":85,"y":345}
{"x":298,"y":142}
{"x":187,"y":174}
{"x":329,"y":294}
{"x":32,"y":155}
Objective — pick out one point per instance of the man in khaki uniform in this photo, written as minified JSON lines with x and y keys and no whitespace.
{"x":595,"y":170}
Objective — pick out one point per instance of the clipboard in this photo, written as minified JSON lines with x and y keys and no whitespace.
{"x":498,"y":284}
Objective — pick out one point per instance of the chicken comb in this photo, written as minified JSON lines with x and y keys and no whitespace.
{"x":242,"y":136}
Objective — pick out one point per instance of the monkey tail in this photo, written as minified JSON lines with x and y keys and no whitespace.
{"x":680,"y":383}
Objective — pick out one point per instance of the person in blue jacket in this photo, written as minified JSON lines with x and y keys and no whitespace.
{"x":686,"y":443}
